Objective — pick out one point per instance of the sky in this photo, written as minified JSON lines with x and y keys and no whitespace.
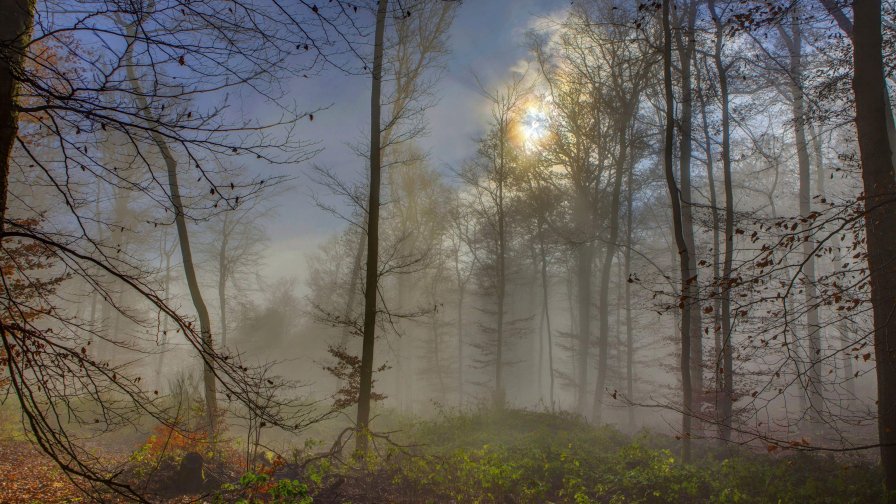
{"x":486,"y":40}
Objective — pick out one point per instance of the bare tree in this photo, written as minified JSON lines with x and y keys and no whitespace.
{"x":872,"y":124}
{"x":491,"y":177}
{"x":371,"y":285}
{"x":793,"y":40}
{"x":233,"y":245}
{"x":726,"y":408}
{"x":685,"y":304}
{"x":59,"y":101}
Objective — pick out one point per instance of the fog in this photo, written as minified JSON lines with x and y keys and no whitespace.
{"x":276,"y":229}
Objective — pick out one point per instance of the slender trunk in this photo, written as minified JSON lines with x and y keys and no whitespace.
{"x":584,"y":272}
{"x":95,"y":296}
{"x":813,"y":383}
{"x":535,"y":306}
{"x":716,"y":246}
{"x":540,"y":345}
{"x":686,"y":50}
{"x":436,"y":354}
{"x":843,"y":329}
{"x":573,"y":309}
{"x":183,"y":237}
{"x":727,"y":405}
{"x":404,"y":365}
{"x":373,"y":217}
{"x":545,"y":289}
{"x":499,"y":398}
{"x":629,"y":333}
{"x":620,"y":301}
{"x":222,"y":282}
{"x":605,"y":272}
{"x":880,"y":186}
{"x":499,"y":343}
{"x":573,"y":315}
{"x":160,"y":364}
{"x":460,"y":342}
{"x":208,"y":375}
{"x":683,"y":252}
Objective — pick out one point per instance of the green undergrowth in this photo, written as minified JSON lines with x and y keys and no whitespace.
{"x":531,"y":457}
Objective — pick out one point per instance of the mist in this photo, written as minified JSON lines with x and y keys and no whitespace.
{"x":447,"y":251}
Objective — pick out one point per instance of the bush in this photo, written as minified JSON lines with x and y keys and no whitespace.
{"x":531,"y":457}
{"x":261,"y":487}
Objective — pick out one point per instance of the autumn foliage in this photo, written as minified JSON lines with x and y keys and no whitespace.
{"x":29,"y":280}
{"x":347,"y":369}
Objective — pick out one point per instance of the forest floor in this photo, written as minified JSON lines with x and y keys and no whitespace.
{"x":27,"y":475}
{"x":493,"y":457}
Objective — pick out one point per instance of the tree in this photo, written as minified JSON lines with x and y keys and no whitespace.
{"x":686,"y":42}
{"x":233,"y":245}
{"x":460,"y":243}
{"x":793,"y":40}
{"x":371,"y":285}
{"x":685,"y":303}
{"x":408,"y":64}
{"x":578,"y":144}
{"x":491,"y":176}
{"x":725,"y":410}
{"x":872,"y":109}
{"x":183,"y":237}
{"x":542,"y":197}
{"x":59,"y":105}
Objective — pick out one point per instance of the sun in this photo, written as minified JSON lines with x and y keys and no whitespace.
{"x":534,"y":125}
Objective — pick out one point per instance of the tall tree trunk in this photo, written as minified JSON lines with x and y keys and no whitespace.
{"x":716,"y":245}
{"x":845,"y":24}
{"x":95,"y":296}
{"x":584,"y":272}
{"x":460,"y":343}
{"x":373,"y":219}
{"x":545,"y":289}
{"x":843,"y":329}
{"x":540,"y":344}
{"x":16,"y":25}
{"x":813,"y":385}
{"x":402,"y":348}
{"x":222,"y":281}
{"x":727,"y":406}
{"x":573,"y":318}
{"x":606,"y":271}
{"x":166,"y":286}
{"x":683,"y":252}
{"x":436,"y":354}
{"x":536,"y":306}
{"x":629,"y":333}
{"x":880,"y":188}
{"x":183,"y":237}
{"x":461,"y":294}
{"x":686,"y":50}
{"x":499,"y":398}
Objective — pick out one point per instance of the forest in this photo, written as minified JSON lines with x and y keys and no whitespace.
{"x":447,"y":251}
